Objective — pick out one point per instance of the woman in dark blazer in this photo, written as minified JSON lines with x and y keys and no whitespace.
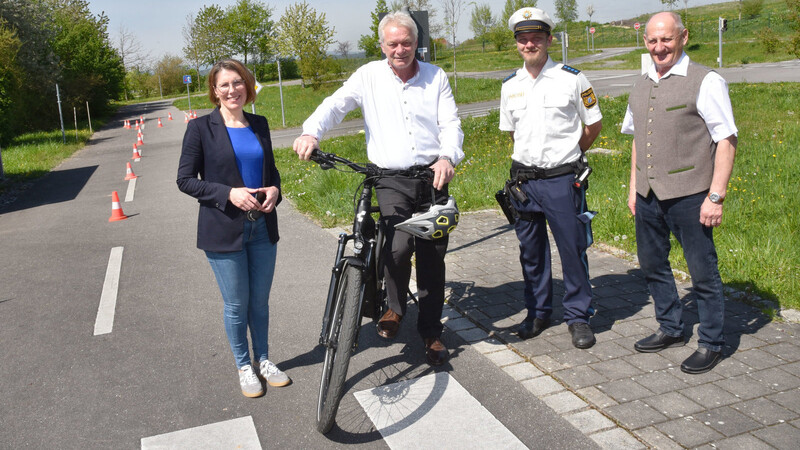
{"x":238,"y":188}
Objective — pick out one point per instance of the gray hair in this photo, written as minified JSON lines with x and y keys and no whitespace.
{"x":399,"y":19}
{"x":676,"y":17}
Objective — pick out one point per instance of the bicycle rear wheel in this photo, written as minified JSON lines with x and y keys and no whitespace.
{"x":343,"y":326}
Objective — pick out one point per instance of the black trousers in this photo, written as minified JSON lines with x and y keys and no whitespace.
{"x":398,"y":199}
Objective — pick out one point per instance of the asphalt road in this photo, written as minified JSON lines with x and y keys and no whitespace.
{"x":166,"y":364}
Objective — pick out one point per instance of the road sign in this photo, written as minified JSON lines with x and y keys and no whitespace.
{"x":591,"y":30}
{"x":258,"y":87}
{"x":636,"y":25}
{"x":187,"y":79}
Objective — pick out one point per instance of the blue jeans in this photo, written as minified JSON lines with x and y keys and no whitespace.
{"x":245,"y":279}
{"x":655,"y":219}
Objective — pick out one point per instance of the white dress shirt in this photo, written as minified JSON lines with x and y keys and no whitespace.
{"x":713,"y":101}
{"x":412,"y":123}
{"x":547,"y":114}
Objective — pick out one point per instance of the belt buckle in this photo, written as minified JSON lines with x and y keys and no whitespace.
{"x":251,"y":215}
{"x":538,"y":172}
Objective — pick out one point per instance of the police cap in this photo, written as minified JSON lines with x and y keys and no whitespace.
{"x":528,"y":20}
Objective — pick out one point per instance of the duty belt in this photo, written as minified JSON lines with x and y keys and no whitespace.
{"x":521,"y":172}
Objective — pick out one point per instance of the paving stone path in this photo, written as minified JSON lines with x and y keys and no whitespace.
{"x":617,"y":396}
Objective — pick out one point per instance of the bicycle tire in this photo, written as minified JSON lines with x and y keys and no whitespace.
{"x":344,"y":324}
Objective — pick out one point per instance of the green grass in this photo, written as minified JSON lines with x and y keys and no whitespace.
{"x":32,"y":155}
{"x":757,"y":248}
{"x":300,"y":102}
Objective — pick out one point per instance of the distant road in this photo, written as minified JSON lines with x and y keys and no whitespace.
{"x":604,"y":82}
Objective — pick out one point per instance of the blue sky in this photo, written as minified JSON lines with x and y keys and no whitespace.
{"x":157,"y":24}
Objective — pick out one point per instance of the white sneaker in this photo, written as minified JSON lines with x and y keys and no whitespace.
{"x":251,"y":385}
{"x":272,"y":374}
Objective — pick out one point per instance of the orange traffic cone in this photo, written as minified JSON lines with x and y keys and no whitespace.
{"x":137,"y":125}
{"x":185,"y":117}
{"x":136,"y":154}
{"x":160,"y":125}
{"x":116,"y":210}
{"x":169,"y":115}
{"x":194,"y":114}
{"x":129,"y":175}
{"x":140,"y":141}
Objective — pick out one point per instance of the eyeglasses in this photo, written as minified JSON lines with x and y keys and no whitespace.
{"x":236,"y":84}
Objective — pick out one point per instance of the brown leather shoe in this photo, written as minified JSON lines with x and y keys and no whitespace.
{"x":389,"y":324}
{"x":436,"y":352}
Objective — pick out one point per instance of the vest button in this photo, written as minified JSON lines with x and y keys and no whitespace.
{"x":648,"y":144}
{"x":649,"y":155}
{"x":651,"y":108}
{"x":649,"y":120}
{"x":649,"y":132}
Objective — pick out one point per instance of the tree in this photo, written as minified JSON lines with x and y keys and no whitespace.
{"x":481,"y":23}
{"x":246,"y":23}
{"x":566,"y":11}
{"x":211,"y":34}
{"x":452,"y":13}
{"x":512,"y":6}
{"x":130,"y":52}
{"x":369,"y":42}
{"x":500,"y":36}
{"x":343,"y":47}
{"x":305,"y":34}
{"x":670,"y":3}
{"x":9,"y":77}
{"x":91,"y":69}
{"x":191,"y":48}
{"x":170,"y":70}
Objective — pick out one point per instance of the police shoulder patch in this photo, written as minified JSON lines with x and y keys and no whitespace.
{"x":513,"y":74}
{"x":589,"y":99}
{"x":570,"y":69}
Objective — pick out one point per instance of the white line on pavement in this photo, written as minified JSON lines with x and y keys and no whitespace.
{"x":235,"y":433}
{"x":131,"y":190}
{"x":409,"y":415}
{"x":108,"y":299}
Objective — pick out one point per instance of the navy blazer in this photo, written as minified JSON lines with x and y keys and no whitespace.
{"x":207,"y":152}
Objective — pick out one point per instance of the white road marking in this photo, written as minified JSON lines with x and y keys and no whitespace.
{"x":230,"y":434}
{"x":620,"y":85}
{"x":108,"y":299}
{"x":433,"y":410}
{"x":131,"y":190}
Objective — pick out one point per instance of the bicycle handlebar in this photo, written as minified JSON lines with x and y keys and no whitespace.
{"x":330,"y":160}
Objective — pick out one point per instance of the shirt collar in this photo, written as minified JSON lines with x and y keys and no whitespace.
{"x":681,"y":68}
{"x":410,"y":80}
{"x":548,"y":65}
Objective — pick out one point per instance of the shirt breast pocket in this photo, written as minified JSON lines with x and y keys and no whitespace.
{"x":557,"y":105}
{"x":516,"y":106}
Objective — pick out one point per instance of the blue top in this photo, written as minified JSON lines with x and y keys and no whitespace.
{"x":249,"y":155}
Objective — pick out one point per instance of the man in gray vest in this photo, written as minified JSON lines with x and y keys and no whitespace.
{"x":684,"y":142}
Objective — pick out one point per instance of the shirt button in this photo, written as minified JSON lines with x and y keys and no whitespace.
{"x":651,"y":108}
{"x":649,"y":155}
{"x":649,"y":167}
{"x":648,"y":144}
{"x":649,"y":120}
{"x":649,"y":132}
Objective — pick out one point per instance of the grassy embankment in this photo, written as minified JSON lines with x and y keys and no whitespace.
{"x":757,"y":244}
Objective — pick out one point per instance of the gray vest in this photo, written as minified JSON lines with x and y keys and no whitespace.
{"x":674,"y":150}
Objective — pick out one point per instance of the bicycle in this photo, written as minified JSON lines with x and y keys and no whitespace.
{"x":356,"y":288}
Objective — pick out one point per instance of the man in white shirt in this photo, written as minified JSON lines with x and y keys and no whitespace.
{"x":551,"y":112}
{"x":682,"y":157}
{"x":411,"y":119}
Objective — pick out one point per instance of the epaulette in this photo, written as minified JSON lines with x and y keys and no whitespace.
{"x":570,"y":69}
{"x":510,"y":76}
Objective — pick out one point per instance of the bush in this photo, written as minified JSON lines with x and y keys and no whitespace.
{"x":769,"y":39}
{"x":269,"y":72}
{"x":752,"y":8}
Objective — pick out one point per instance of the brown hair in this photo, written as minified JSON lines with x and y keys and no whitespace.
{"x":235,"y":66}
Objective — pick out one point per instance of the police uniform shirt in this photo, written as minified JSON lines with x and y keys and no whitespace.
{"x":713,"y":101}
{"x":547,"y":114}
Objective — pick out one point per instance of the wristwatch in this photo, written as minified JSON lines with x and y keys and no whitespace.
{"x":716,"y":198}
{"x":448,"y":159}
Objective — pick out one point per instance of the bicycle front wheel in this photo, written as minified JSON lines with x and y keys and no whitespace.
{"x":343,"y":326}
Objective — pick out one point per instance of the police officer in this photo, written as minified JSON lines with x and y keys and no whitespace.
{"x":552,"y":115}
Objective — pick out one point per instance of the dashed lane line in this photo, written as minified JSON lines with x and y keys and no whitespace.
{"x":131,"y":190}
{"x":104,"y":322}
